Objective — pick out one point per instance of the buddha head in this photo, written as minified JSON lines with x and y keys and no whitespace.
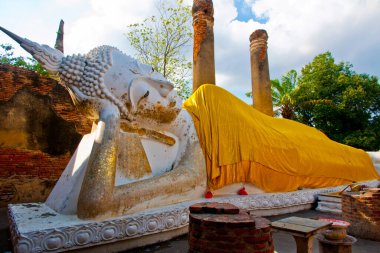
{"x":106,"y":74}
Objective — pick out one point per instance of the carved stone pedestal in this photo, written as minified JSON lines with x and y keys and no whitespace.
{"x":37,"y":228}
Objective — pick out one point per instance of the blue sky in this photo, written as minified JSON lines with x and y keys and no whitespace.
{"x":245,"y":13}
{"x":298,"y":30}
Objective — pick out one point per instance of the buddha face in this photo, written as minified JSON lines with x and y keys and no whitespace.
{"x":153,"y":100}
{"x":147,"y":95}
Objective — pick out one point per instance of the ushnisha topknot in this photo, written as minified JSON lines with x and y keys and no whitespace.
{"x":50,"y":58}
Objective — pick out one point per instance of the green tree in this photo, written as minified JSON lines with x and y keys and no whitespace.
{"x":282,"y":94}
{"x":343,"y":104}
{"x":7,"y":57}
{"x":161,"y":41}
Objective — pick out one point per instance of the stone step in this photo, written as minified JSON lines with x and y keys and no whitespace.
{"x":329,"y":198}
{"x":328,"y":210}
{"x":330,"y":205}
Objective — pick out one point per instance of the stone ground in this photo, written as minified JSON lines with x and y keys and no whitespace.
{"x":283,"y":243}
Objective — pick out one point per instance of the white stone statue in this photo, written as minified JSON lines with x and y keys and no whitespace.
{"x":121,"y":95}
{"x":143,"y":151}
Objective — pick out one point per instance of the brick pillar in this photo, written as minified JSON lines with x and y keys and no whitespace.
{"x":261,"y":88}
{"x":221,"y":227}
{"x":203,"y":54}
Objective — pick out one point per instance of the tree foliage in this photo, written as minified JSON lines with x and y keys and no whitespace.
{"x":343,"y":104}
{"x":7,"y":57}
{"x":333,"y":98}
{"x":282,"y":93}
{"x":161,"y":41}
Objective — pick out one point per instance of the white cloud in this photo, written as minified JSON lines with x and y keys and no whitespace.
{"x":298,"y":31}
{"x":232,"y":49}
{"x":106,"y":23}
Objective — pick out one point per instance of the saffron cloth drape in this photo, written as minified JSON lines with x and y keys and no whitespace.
{"x":243,"y":145}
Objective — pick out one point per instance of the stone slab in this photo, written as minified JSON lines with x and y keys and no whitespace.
{"x":325,"y":210}
{"x":37,"y":228}
{"x":330,"y":198}
{"x":331,"y":205}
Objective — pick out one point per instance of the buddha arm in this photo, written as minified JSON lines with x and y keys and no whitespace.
{"x":100,"y":198}
{"x":189,"y":174}
{"x":99,"y":181}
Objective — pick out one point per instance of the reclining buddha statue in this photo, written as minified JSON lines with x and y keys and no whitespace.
{"x":209,"y":142}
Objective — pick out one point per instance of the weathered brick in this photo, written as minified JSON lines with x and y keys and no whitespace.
{"x":363,"y":212}
{"x":19,"y":162}
{"x":260,"y":246}
{"x":237,"y":235}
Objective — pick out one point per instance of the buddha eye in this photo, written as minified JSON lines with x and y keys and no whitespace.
{"x":146,"y":94}
{"x":134,"y":71}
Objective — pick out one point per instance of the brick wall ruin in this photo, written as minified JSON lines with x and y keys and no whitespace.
{"x":39,"y":131}
{"x":362,"y":210}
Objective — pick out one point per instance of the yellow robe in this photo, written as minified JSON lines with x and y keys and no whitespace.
{"x":243,"y":145}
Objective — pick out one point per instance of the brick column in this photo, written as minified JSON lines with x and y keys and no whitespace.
{"x":203,"y":52}
{"x":261,"y":87}
{"x":221,"y":227}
